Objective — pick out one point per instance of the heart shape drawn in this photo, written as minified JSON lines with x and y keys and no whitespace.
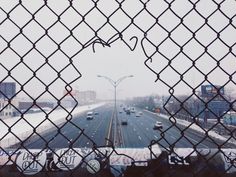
{"x":135,"y":38}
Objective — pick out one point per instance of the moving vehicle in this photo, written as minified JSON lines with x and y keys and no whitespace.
{"x":132,"y":110}
{"x":138,"y":114}
{"x":127,"y":111}
{"x":89,"y":115}
{"x":124,"y":122}
{"x":158,"y":125}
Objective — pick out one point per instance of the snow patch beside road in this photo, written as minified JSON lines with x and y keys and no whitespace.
{"x":197,"y":128}
{"x":38,"y":122}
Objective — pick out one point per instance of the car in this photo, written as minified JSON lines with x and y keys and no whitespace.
{"x":89,"y":115}
{"x":124,"y":122}
{"x":158,"y":125}
{"x":96,"y":113}
{"x":127,"y":111}
{"x":138,"y":114}
{"x":132,"y":110}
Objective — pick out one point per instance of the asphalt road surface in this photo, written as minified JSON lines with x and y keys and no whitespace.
{"x":79,"y":132}
{"x":138,"y":132}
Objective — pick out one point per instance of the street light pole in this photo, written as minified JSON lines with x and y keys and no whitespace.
{"x":115,"y":96}
{"x":115,"y":84}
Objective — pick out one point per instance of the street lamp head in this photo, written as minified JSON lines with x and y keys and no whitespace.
{"x":99,"y":76}
{"x":131,"y":76}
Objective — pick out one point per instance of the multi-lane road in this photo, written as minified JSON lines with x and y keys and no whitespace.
{"x":79,"y":132}
{"x":139,"y":132}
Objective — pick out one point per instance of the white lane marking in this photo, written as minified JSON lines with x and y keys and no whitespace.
{"x":139,"y":137}
{"x":172,"y":137}
{"x":191,"y":139}
{"x":147,"y":129}
{"x":155,"y":136}
{"x":196,"y":141}
{"x":88,"y":143}
{"x":134,"y":129}
{"x":70,"y":141}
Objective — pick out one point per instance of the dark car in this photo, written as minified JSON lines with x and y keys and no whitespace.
{"x":127,"y":111}
{"x":124,"y":122}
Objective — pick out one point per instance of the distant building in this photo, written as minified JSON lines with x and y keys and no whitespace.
{"x":82,"y":97}
{"x":68,"y":102}
{"x":86,"y":97}
{"x":8,"y":110}
{"x":7,"y":93}
{"x":7,"y":90}
{"x":31,"y":107}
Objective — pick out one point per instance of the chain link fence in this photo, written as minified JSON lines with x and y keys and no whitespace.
{"x":189,"y":45}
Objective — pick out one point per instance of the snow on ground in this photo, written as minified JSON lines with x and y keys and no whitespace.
{"x":196,"y":127}
{"x":23,"y":127}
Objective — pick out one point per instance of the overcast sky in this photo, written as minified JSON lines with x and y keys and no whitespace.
{"x":118,"y":60}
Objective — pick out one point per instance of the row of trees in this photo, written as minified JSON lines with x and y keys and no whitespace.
{"x":183,"y":106}
{"x":150,"y":103}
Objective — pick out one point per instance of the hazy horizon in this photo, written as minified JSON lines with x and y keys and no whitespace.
{"x":117,"y":60}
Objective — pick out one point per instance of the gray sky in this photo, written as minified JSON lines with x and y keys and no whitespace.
{"x":118,"y":60}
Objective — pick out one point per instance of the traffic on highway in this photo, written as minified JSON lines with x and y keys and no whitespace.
{"x":136,"y":128}
{"x":125,"y":141}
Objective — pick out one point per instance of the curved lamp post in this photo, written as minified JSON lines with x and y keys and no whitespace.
{"x":115,"y":84}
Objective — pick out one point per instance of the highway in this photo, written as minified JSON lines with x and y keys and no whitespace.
{"x":79,"y":132}
{"x":139,"y":132}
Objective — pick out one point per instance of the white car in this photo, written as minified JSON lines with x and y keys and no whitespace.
{"x":89,"y":115}
{"x":138,"y":114}
{"x":158,"y":125}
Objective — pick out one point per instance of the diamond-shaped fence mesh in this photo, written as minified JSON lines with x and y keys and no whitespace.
{"x":188,"y":45}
